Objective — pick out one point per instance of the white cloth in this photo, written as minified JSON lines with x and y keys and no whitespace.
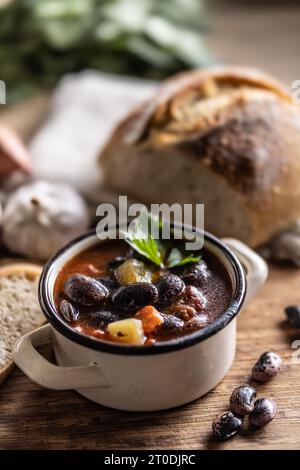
{"x":85,"y":108}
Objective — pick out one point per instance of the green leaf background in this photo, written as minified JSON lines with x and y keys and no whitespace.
{"x":40,"y":40}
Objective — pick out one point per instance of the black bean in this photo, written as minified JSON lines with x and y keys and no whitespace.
{"x":171,"y":322}
{"x":68,"y":311}
{"x":293,"y":315}
{"x":266,"y":367}
{"x":194,"y":297}
{"x":134,"y":296}
{"x":196,"y":274}
{"x":196,"y":323}
{"x":226,"y":426}
{"x":264,"y":411}
{"x":102,"y":318}
{"x":84,"y":290}
{"x":242,"y":400}
{"x":170,"y":287}
{"x":114,"y":263}
{"x":110,"y":283}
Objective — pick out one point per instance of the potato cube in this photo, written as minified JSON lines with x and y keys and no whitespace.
{"x":133,"y":271}
{"x":128,"y":331}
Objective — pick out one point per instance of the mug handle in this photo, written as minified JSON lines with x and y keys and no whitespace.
{"x":256,"y":268}
{"x":48,"y":375}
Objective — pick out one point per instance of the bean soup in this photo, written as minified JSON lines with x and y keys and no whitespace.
{"x":113,"y":293}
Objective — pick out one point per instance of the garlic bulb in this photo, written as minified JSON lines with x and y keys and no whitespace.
{"x":41,"y":217}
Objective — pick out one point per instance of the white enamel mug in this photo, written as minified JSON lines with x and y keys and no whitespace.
{"x":140,"y":378}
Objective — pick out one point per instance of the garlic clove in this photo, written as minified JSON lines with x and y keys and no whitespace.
{"x":40,"y":212}
{"x":41,"y":217}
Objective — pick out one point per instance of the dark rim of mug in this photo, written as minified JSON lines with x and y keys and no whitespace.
{"x":181,"y":342}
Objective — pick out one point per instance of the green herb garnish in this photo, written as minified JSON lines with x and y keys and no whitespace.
{"x":176,"y":259}
{"x":147,"y":248}
{"x":138,"y":236}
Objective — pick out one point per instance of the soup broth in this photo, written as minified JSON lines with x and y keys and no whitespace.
{"x":113,"y":294}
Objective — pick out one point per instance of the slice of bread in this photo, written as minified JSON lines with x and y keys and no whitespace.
{"x":19,"y":308}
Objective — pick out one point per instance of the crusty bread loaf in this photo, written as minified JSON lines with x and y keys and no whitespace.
{"x":227,"y":137}
{"x":19,"y":308}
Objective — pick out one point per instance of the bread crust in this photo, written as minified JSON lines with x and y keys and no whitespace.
{"x":237,"y":121}
{"x":32,"y":271}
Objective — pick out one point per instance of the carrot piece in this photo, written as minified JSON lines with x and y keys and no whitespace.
{"x":150,"y":318}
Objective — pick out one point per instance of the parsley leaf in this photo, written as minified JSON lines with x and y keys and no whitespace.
{"x":138,"y":236}
{"x":176,"y":259}
{"x":147,"y":248}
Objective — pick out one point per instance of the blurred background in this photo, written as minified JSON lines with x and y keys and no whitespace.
{"x":259,"y":33}
{"x":74,"y":68}
{"x":41,"y":40}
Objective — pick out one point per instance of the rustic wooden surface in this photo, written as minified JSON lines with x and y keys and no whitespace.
{"x":35,"y":418}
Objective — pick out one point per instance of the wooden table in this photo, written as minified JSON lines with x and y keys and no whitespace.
{"x":35,"y":418}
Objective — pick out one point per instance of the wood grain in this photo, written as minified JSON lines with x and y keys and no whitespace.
{"x":35,"y":418}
